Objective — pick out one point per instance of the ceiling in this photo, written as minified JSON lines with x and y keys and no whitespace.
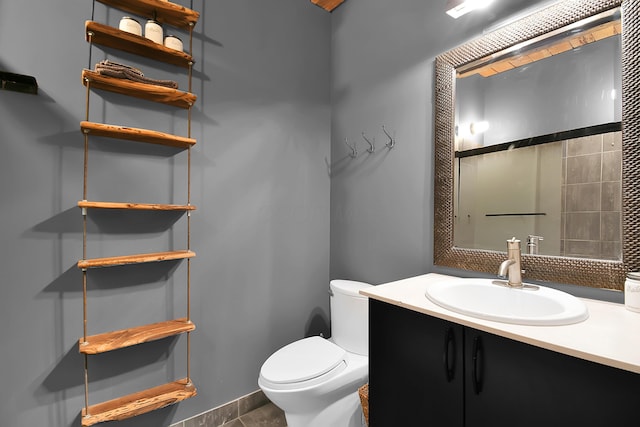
{"x":330,"y":5}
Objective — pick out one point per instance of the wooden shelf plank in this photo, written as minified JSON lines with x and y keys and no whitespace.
{"x":134,"y":206}
{"x":163,"y":12}
{"x":136,"y":134}
{"x":138,"y":403}
{"x":155,"y":93}
{"x":108,"y":341}
{"x":328,"y":5}
{"x":108,"y":36}
{"x":134,"y":259}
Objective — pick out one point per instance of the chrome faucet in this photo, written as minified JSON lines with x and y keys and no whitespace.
{"x":533,"y":244}
{"x":511,"y":266}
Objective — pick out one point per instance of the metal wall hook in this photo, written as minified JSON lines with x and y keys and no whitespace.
{"x":372,"y":146}
{"x":354,"y":151}
{"x":392,"y":140}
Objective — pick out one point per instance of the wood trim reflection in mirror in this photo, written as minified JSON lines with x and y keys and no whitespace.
{"x":587,"y":272}
{"x":552,"y":48}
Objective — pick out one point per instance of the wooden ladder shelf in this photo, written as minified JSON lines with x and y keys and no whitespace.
{"x":108,"y":341}
{"x":149,"y":92}
{"x":138,"y":403}
{"x":105,"y":35}
{"x":165,"y":13}
{"x":134,"y":259}
{"x":135,"y":134}
{"x":134,"y":206}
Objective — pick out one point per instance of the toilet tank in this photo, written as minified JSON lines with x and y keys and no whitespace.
{"x":349,"y":316}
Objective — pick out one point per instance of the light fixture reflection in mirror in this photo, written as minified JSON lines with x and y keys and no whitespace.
{"x":601,"y":273}
{"x":476,"y":128}
{"x":458,"y":8}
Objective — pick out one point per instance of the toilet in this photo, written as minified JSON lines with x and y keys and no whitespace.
{"x":315,"y":380}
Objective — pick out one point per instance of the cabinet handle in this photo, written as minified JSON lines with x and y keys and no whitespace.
{"x":449,"y":356}
{"x":477,"y":365}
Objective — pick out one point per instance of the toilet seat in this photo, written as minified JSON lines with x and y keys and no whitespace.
{"x":309,"y":359}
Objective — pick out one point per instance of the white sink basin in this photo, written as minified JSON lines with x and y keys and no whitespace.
{"x":492,"y":300}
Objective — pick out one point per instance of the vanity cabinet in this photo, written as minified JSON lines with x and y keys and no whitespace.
{"x":426,"y":371}
{"x":415,"y":368}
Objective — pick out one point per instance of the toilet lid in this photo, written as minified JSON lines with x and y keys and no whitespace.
{"x":302,"y":360}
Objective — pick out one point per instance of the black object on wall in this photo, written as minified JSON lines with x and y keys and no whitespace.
{"x":18,"y":83}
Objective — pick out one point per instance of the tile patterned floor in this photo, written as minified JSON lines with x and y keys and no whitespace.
{"x":268,"y":415}
{"x":253,"y":410}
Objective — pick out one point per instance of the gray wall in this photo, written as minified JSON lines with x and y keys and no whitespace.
{"x":382,"y":203}
{"x":260,"y":183}
{"x":382,"y":74}
{"x":263,"y":173}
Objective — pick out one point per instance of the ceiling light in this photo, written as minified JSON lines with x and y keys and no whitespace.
{"x":457,"y":8}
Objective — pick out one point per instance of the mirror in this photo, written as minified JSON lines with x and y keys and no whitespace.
{"x":454,"y":152}
{"x":538,"y":147}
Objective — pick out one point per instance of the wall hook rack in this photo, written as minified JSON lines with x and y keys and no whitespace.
{"x":392,"y":140}
{"x":354,"y":152}
{"x":372,"y":146}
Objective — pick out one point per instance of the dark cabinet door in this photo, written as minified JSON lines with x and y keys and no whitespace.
{"x":511,"y":383}
{"x":415,"y":369}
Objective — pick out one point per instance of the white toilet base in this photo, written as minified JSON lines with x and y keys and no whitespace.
{"x":346,"y":412}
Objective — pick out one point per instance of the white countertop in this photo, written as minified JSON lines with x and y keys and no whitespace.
{"x":610,"y":336}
